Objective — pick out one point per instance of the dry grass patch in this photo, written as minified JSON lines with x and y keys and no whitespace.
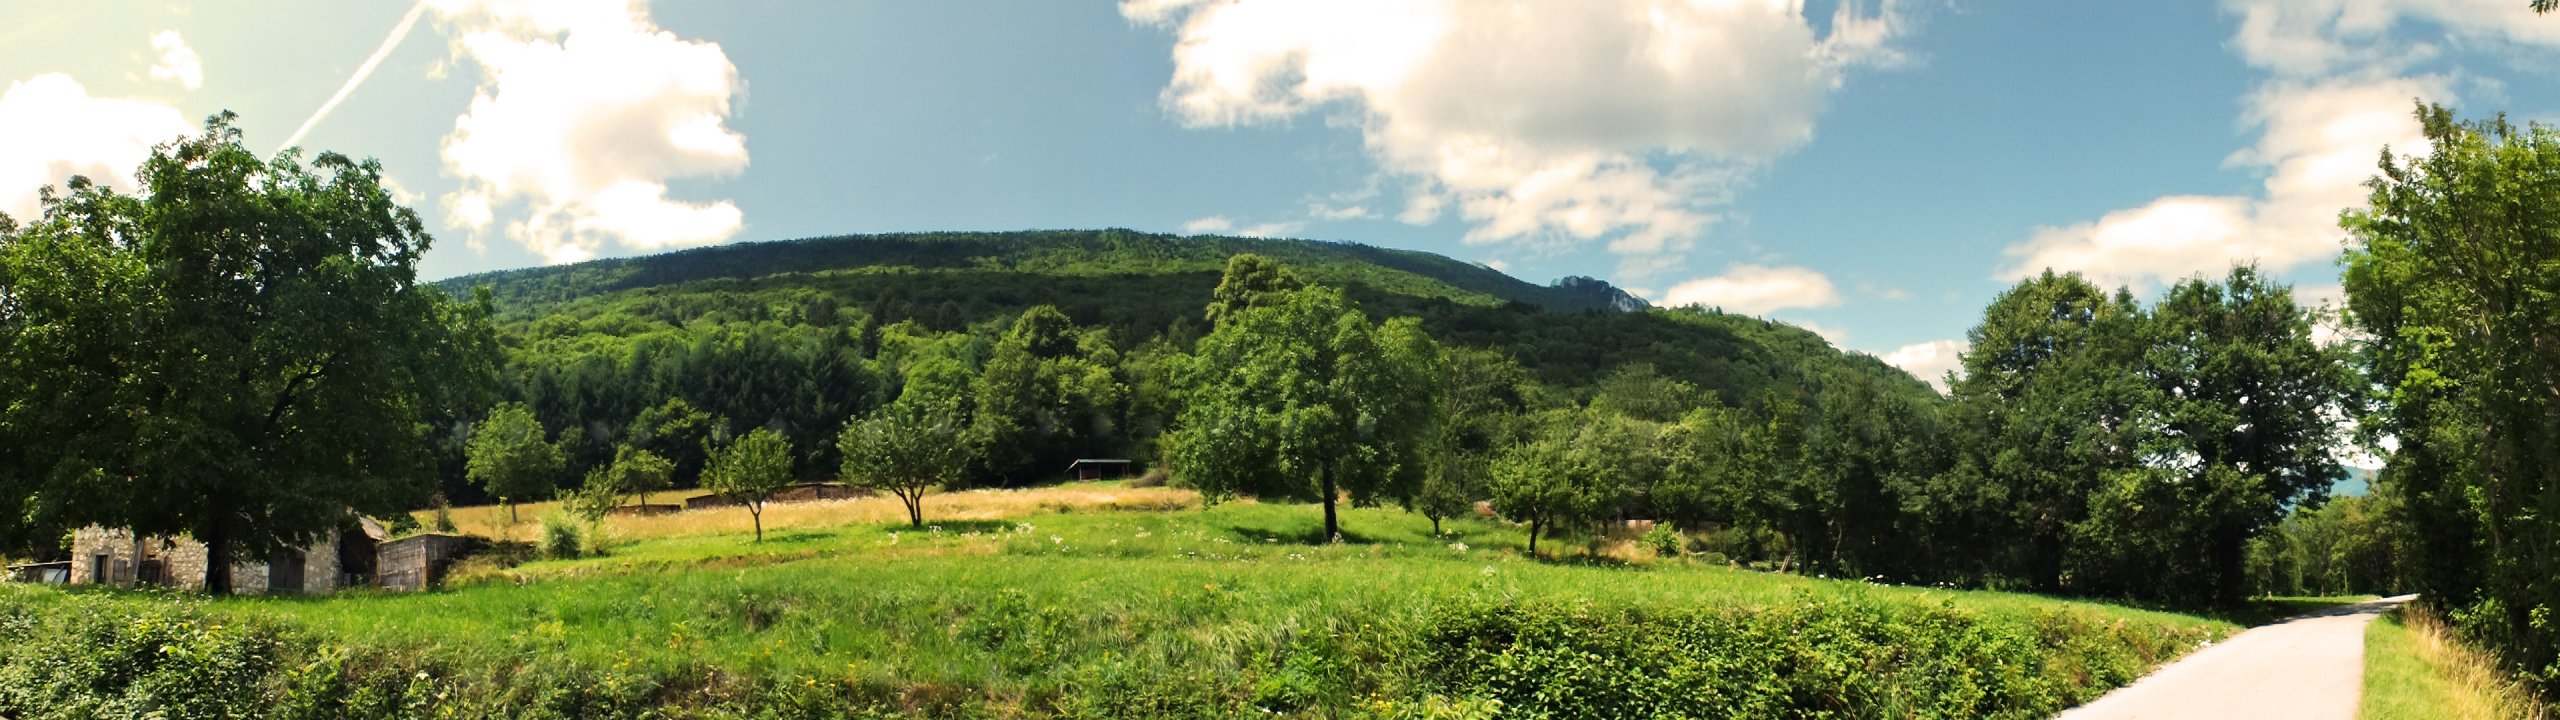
{"x":2416,"y":668}
{"x":964,"y":506}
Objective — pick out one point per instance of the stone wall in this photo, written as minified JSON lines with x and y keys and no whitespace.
{"x":123,"y":556}
{"x":182,"y":562}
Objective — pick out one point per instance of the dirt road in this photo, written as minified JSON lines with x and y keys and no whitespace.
{"x":2309,"y":667}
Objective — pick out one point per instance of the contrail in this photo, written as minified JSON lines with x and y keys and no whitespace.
{"x":398,"y":32}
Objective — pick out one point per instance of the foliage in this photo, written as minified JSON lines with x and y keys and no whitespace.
{"x":248,"y":335}
{"x":907,"y":448}
{"x":511,"y":456}
{"x":1538,"y":484}
{"x":2451,"y":275}
{"x":749,"y":470}
{"x":1302,"y":396}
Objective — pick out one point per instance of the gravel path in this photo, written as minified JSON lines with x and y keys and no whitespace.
{"x":2309,"y":667}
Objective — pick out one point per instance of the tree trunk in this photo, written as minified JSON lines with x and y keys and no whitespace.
{"x":217,"y":550}
{"x":756,"y":510}
{"x":1533,"y":538}
{"x":915,"y":508}
{"x":1435,"y":526}
{"x":1332,"y":527}
{"x":512,"y":520}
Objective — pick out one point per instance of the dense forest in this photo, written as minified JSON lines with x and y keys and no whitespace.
{"x":800,"y":336}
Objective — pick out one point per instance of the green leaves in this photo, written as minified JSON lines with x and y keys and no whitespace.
{"x":750,"y":469}
{"x":1297,"y":394}
{"x":511,"y":456}
{"x":907,"y":448}
{"x":2454,"y":277}
{"x":245,"y":333}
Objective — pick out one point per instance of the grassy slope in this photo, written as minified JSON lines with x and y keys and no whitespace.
{"x":1218,"y":612}
{"x":2414,"y":670}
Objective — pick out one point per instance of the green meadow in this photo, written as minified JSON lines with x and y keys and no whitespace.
{"x":1229,"y":611}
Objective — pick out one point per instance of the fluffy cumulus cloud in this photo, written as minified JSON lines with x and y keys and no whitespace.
{"x":178,"y":63}
{"x":2340,"y":77}
{"x":1756,"y":290}
{"x":1629,"y":121}
{"x":1930,"y":361}
{"x":586,"y":110}
{"x":105,"y":139}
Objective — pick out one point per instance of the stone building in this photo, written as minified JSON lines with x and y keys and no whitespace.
{"x":418,"y":562}
{"x":340,"y":559}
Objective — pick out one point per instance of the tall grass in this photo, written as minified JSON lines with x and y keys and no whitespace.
{"x":2416,"y":668}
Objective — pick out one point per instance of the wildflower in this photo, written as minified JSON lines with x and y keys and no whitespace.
{"x":1459,"y":547}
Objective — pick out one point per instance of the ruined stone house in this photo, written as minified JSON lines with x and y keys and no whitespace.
{"x":341,"y":559}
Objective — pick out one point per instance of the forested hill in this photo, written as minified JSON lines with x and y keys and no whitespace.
{"x":799,"y":336}
{"x":1080,"y":253}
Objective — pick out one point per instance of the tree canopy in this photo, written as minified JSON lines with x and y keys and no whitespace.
{"x":240,"y":351}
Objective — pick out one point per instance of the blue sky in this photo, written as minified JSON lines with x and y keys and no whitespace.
{"x":1876,"y":170}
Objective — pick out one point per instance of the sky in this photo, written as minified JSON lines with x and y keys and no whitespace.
{"x":1875,"y":170}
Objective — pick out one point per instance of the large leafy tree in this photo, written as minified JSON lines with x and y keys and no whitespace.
{"x":240,"y":351}
{"x":1297,"y":394}
{"x":1048,"y":394}
{"x":2454,"y":276}
{"x":2240,"y":424}
{"x":512,"y":457}
{"x":2046,"y":408}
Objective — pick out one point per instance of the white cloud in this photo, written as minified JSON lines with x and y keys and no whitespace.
{"x":1930,"y":361}
{"x":1222,"y":225}
{"x":59,"y":130}
{"x":178,"y":62}
{"x":2317,"y":147}
{"x":1629,"y":121}
{"x":1756,"y":290}
{"x":585,"y":112}
{"x":2339,"y":88}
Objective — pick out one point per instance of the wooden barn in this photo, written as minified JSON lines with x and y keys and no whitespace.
{"x":1099,"y":468}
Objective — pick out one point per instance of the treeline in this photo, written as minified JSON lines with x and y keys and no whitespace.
{"x":2453,"y":279}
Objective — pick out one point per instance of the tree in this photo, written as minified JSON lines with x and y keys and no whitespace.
{"x":749,"y":470}
{"x":1250,"y":281}
{"x":2240,"y":417}
{"x":1479,"y":406}
{"x":2453,"y":277}
{"x":680,"y":433}
{"x":1045,"y":394}
{"x":512,"y":458}
{"x":1537,"y":484}
{"x":2045,"y":410}
{"x":635,"y":472}
{"x":1303,"y":396}
{"x":906,"y":448}
{"x":240,"y":352}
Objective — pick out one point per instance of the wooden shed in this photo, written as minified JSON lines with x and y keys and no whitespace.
{"x":418,"y":562}
{"x":1099,"y":468}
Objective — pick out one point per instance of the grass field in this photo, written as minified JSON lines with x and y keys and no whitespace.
{"x":1098,"y":601}
{"x":2415,"y":670}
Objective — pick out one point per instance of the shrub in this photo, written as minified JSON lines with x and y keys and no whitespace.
{"x":1665,"y":540}
{"x":560,"y":539}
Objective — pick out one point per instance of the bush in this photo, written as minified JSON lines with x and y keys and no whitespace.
{"x":1665,"y":541}
{"x":560,"y":539}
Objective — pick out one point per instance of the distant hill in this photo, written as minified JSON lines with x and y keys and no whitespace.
{"x":1058,"y":253}
{"x":797,"y":336}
